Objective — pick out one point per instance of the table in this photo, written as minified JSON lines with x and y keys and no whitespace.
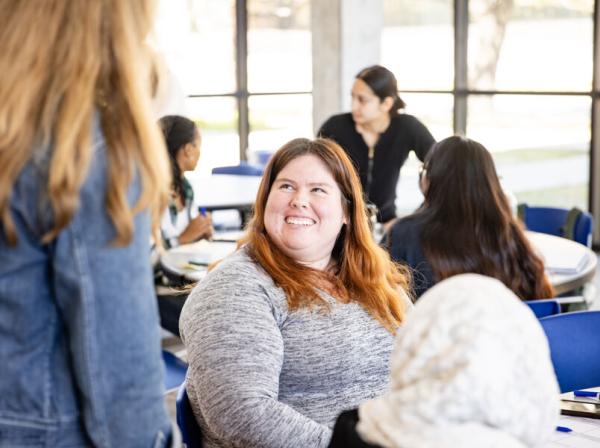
{"x":585,"y":431}
{"x":549,"y":247}
{"x":191,"y":260}
{"x":574,"y":264}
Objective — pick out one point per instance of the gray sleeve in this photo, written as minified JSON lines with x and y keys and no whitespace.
{"x":235,"y":350}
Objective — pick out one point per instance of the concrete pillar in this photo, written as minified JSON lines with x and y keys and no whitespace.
{"x":346,"y":37}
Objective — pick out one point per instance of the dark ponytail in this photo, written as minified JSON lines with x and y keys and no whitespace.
{"x":177,"y":131}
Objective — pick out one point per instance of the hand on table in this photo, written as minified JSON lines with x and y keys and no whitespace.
{"x":200,"y":227}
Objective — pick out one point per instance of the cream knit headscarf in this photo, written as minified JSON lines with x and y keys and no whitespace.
{"x":471,"y":368}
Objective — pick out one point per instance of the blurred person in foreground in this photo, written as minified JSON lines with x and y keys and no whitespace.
{"x":466,"y":225}
{"x":471,"y":368}
{"x":83,"y":172}
{"x":298,"y":324}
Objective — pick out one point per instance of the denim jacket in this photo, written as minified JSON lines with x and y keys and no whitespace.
{"x":80,"y":360}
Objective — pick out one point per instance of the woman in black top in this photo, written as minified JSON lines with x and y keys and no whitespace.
{"x":466,"y":225}
{"x":377,"y":137}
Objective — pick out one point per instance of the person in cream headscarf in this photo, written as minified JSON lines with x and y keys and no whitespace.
{"x":471,"y":368}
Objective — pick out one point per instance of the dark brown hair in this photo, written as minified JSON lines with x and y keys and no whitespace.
{"x":364,"y":272}
{"x":177,"y":131}
{"x":468,"y":225}
{"x":383,"y":84}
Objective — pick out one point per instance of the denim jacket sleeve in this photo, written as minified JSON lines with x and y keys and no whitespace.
{"x":105,"y":303}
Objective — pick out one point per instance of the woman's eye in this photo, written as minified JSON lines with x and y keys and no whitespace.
{"x":319,"y":190}
{"x":285,"y":187}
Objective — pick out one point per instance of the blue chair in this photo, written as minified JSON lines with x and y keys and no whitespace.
{"x":543,"y":308}
{"x":190,"y":431}
{"x":574,"y":340}
{"x":175,"y":370}
{"x":555,"y":221}
{"x":243,"y":169}
{"x":262,"y":157}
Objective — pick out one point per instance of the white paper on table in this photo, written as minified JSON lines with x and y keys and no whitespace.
{"x":585,"y":434}
{"x":560,"y":257}
{"x":203,"y":252}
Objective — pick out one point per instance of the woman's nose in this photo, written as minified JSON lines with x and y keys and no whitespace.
{"x":299,"y":200}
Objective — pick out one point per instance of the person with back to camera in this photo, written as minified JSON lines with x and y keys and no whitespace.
{"x":182,"y":222}
{"x":82,"y":173}
{"x":466,"y":225}
{"x":377,"y":137}
{"x":470,"y":369}
{"x":298,"y":324}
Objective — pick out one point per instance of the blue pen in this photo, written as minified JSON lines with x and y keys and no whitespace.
{"x":563,"y":429}
{"x":203,"y":211}
{"x":585,"y":393}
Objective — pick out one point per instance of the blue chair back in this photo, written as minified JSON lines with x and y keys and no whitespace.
{"x":574,"y":340}
{"x":544,"y":308}
{"x":243,"y":169}
{"x":262,"y":157}
{"x":175,"y":370}
{"x":190,"y":431}
{"x":552,"y":221}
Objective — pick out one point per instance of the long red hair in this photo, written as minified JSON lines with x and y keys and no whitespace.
{"x":363,"y":271}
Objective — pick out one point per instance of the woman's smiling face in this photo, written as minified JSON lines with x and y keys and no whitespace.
{"x":304,"y":213}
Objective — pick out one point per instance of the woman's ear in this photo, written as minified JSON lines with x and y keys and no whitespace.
{"x":187,"y":149}
{"x":423,"y":184}
{"x":387,"y":103}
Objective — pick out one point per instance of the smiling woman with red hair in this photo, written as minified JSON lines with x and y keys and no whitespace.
{"x":298,"y":324}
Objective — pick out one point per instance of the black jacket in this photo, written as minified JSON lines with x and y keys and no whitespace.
{"x":404,"y":134}
{"x":344,"y":432}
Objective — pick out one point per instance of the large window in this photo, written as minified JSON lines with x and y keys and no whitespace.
{"x":515,"y":75}
{"x":244,"y":69}
{"x":279,"y":73}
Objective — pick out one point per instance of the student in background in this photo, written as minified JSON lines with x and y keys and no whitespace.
{"x":471,"y":368}
{"x":466,"y":225}
{"x":83,"y":172}
{"x":298,"y":324}
{"x":377,"y":137}
{"x":182,"y":222}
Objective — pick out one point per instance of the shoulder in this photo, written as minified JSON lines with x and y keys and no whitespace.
{"x":238,"y":270}
{"x":407,"y":226}
{"x":403,"y":240}
{"x":407,"y":121}
{"x":336,"y":123}
{"x":235,"y":287}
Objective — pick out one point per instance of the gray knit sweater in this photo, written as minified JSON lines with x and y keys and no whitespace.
{"x":262,"y":376}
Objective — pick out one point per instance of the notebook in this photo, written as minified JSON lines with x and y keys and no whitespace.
{"x":561,"y":256}
{"x":205,"y":252}
{"x":565,"y":263}
{"x":579,"y":406}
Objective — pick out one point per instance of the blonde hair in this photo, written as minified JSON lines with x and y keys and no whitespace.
{"x":364,"y":271}
{"x":63,"y":62}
